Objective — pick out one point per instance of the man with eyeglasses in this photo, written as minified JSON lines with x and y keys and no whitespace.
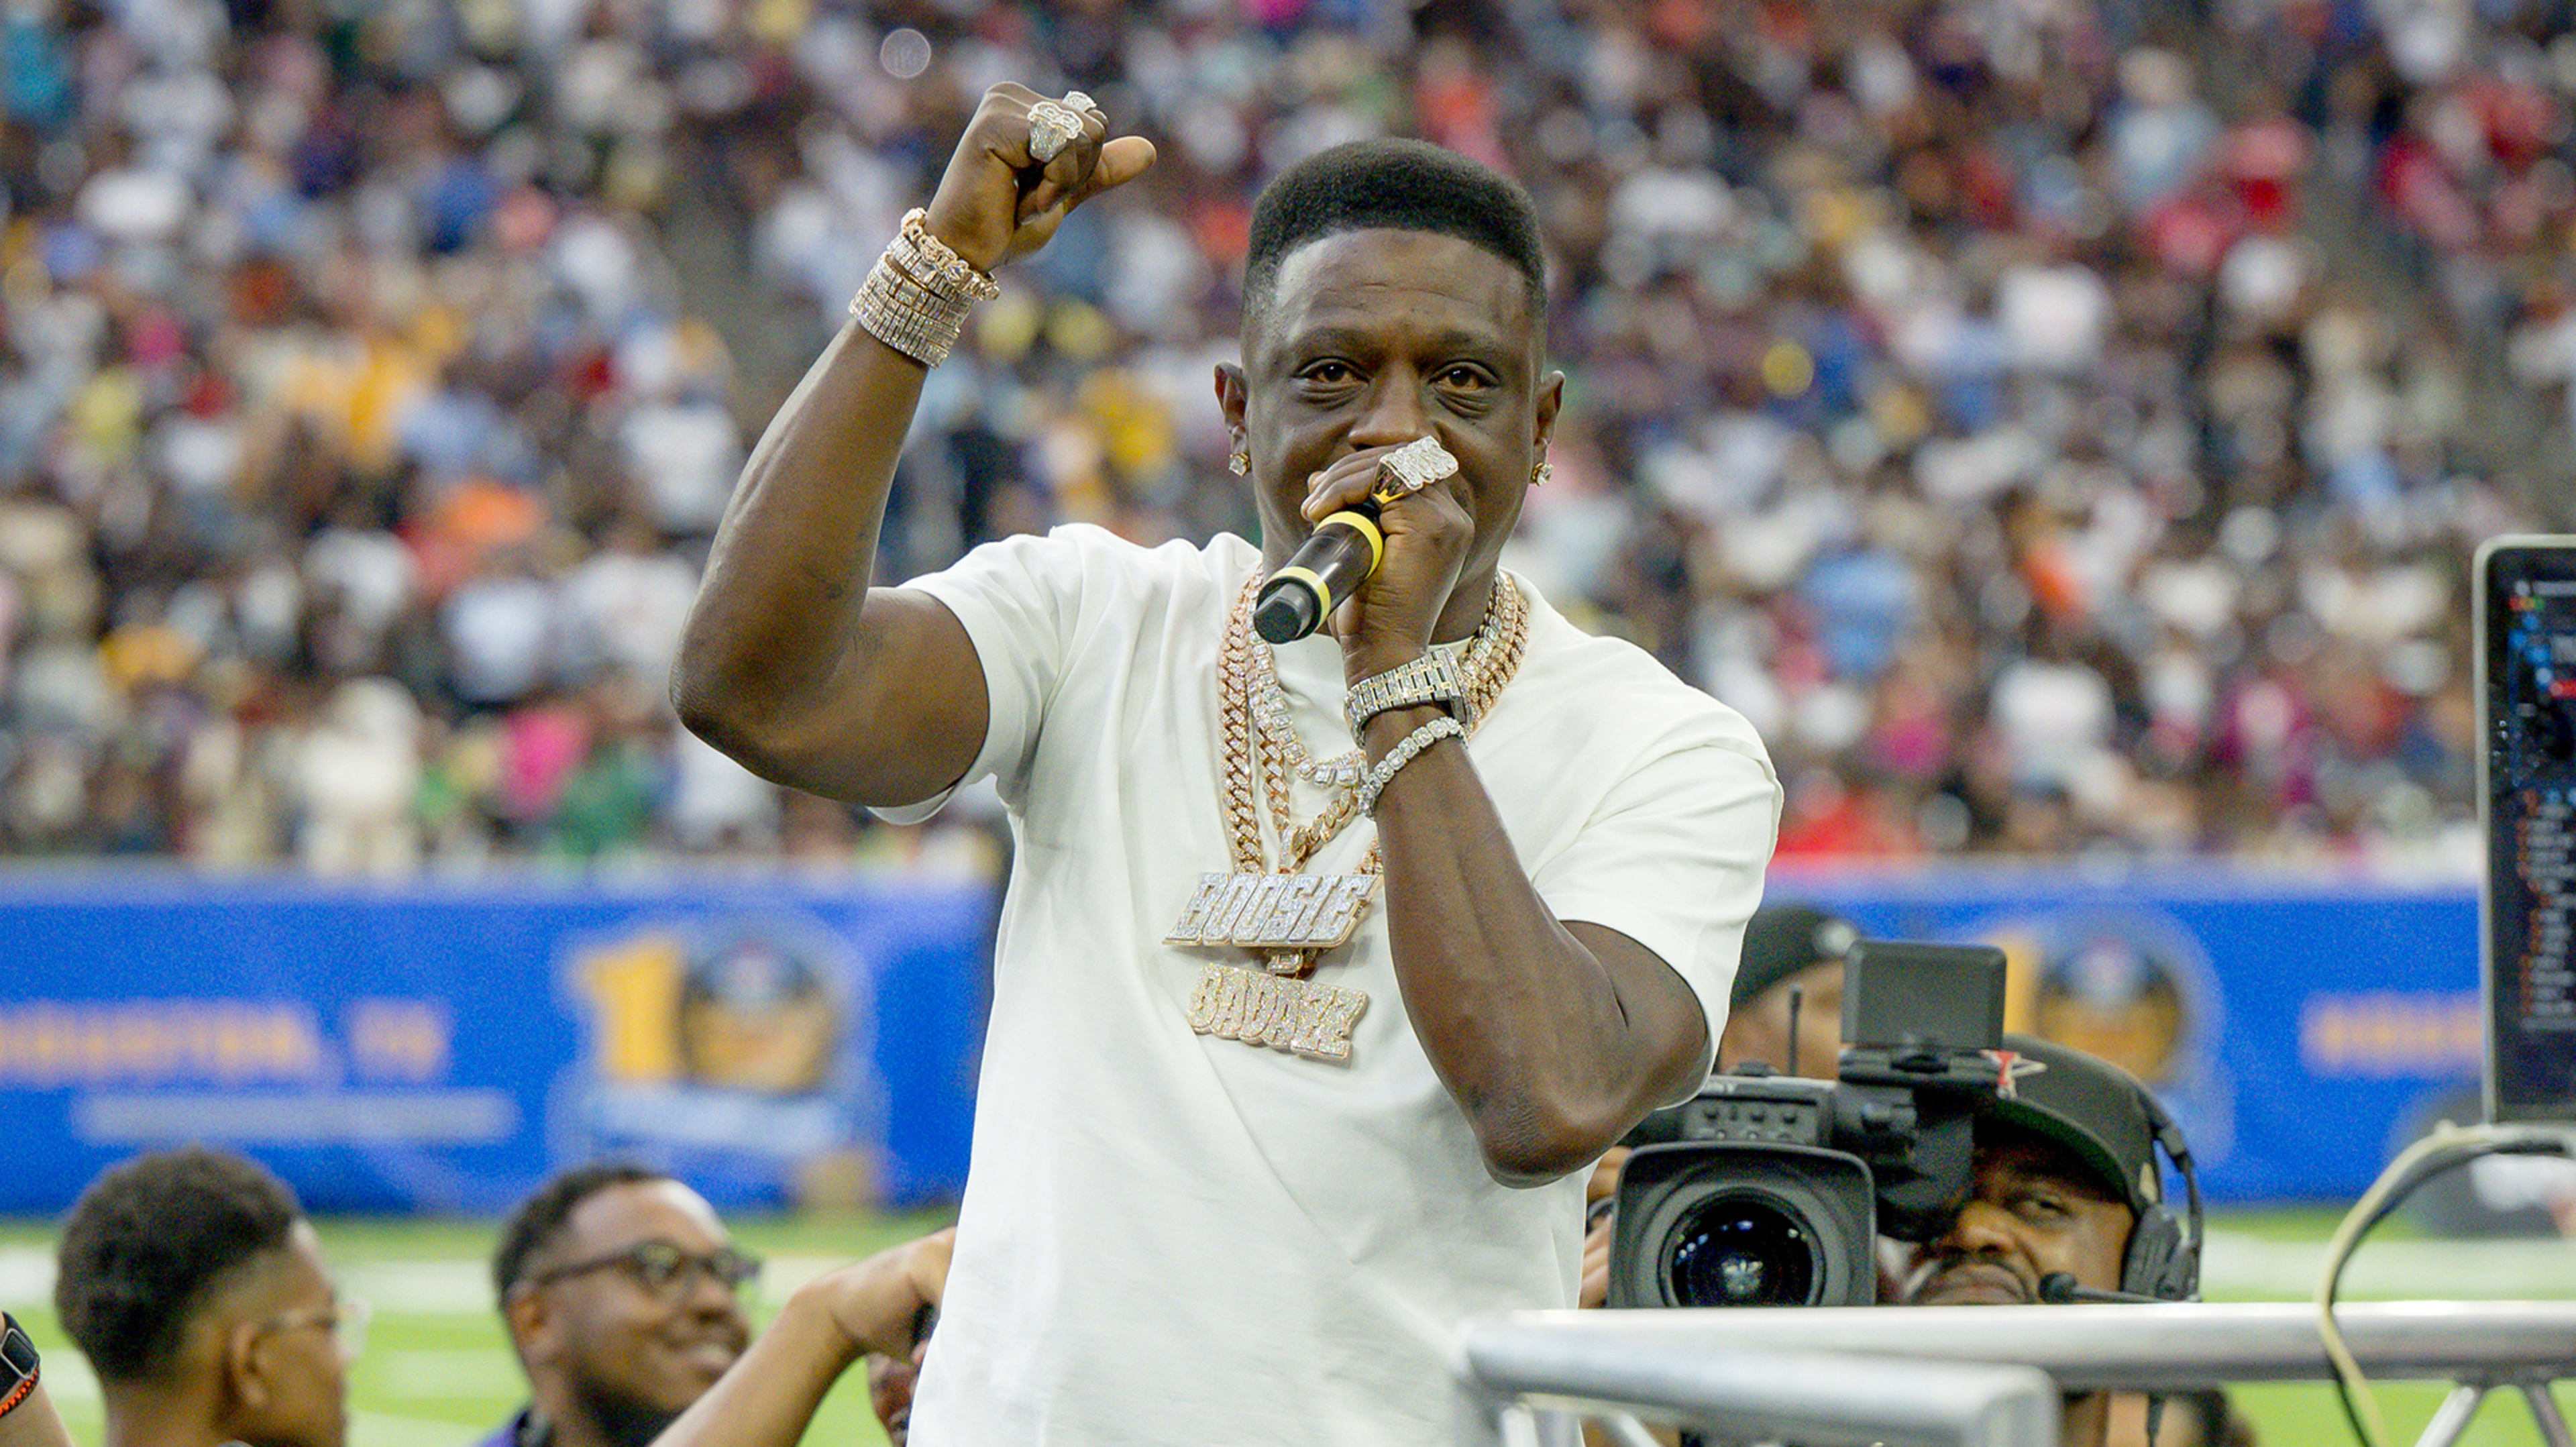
{"x":621,"y":1292}
{"x":198,"y":1290}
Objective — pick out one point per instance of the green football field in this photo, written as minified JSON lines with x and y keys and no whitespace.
{"x":435,"y":1372}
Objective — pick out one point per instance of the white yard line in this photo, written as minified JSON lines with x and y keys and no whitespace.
{"x":2241,"y":1265}
{"x":449,"y":1286}
{"x":26,"y":1277}
{"x":67,"y":1374}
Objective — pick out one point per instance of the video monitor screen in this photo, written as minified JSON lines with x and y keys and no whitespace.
{"x":1898,"y":994}
{"x":2527,"y":715}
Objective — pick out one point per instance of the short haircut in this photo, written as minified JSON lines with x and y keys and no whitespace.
{"x":1394,"y":185}
{"x":540,"y":1218}
{"x":150,"y":1240}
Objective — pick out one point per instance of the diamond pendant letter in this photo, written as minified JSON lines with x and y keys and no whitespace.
{"x":1194,"y":916}
{"x":1300,"y":1017}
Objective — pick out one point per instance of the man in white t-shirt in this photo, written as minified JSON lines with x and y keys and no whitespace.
{"x":1303,"y":1028}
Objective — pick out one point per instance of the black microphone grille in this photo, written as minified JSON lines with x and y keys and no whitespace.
{"x":2057,"y":1288}
{"x":1287,"y":611}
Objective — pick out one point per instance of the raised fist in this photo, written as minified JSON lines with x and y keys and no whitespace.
{"x":998,"y":200}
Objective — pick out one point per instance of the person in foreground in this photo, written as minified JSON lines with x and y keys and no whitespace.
{"x":1305,"y":1021}
{"x":198,"y":1291}
{"x":2066,"y":1180}
{"x":621,"y":1293}
{"x":2201,"y":1418}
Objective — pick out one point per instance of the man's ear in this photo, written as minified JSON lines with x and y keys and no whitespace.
{"x":535,"y":1327}
{"x":1551,"y":395}
{"x":244,"y":1384}
{"x":1233,"y":396}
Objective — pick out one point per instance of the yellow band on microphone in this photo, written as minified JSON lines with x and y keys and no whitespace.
{"x":1366,"y":527}
{"x":1312,"y":580}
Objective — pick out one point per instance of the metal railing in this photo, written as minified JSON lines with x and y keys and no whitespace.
{"x":1973,"y":1376}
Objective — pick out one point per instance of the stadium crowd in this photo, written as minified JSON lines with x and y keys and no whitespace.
{"x":1984,"y":399}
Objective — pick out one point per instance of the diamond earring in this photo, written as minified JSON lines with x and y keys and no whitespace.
{"x":1239,"y":461}
{"x":1541,"y":473}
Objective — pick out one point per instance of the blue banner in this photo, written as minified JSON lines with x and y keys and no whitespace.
{"x":783,"y":1040}
{"x":433,"y":1047}
{"x":2297,"y":1030}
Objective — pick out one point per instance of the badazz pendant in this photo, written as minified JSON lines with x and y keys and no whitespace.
{"x":1302,"y":1017}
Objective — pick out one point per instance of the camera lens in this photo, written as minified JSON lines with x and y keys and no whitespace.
{"x":1737,"y":1249}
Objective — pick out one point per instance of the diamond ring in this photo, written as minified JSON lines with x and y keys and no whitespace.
{"x":1412,"y":467}
{"x":1052,"y":127}
{"x":1076,"y":100}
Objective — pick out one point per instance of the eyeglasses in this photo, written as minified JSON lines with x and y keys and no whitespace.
{"x":666,"y":1271}
{"x":345,"y":1319}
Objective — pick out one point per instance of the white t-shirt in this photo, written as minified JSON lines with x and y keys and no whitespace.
{"x":1170,"y":1238}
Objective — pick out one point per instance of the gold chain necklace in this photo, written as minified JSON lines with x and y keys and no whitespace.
{"x":1503,"y":627}
{"x":1289,"y":917}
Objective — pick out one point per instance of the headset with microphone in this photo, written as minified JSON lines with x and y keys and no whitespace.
{"x":2163,"y":1259}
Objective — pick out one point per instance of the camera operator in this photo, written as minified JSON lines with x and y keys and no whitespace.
{"x":2202,"y":1418}
{"x":2065,"y":1180}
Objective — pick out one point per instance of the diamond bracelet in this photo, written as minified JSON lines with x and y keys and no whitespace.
{"x":907,"y":316}
{"x":1383,"y":772}
{"x":934,"y":264}
{"x":917,"y":296}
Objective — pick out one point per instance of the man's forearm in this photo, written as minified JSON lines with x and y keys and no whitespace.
{"x":769,"y":1397}
{"x":1522,"y":1019}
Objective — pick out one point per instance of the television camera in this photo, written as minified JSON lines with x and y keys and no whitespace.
{"x":1770,"y":1190}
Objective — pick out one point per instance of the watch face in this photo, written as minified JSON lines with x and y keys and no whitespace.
{"x":17,"y":1356}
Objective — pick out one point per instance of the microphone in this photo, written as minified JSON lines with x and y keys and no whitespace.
{"x":1342,"y":553}
{"x":2058,"y":1288}
{"x":1345,"y":548}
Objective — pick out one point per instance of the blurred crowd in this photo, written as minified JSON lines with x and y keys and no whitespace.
{"x":2060,"y":425}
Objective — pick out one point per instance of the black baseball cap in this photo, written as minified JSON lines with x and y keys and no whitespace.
{"x":2088,"y":1105}
{"x":1782,"y":939}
